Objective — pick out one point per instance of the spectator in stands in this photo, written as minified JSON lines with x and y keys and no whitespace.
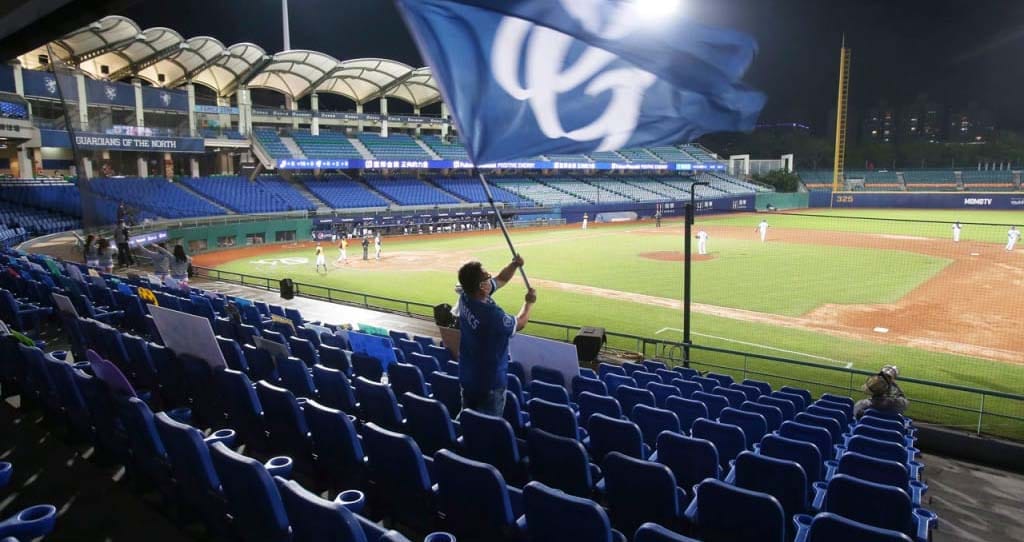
{"x":160,"y":257}
{"x":886,"y":395}
{"x":180,"y":264}
{"x":124,"y":253}
{"x":486,"y":329}
{"x":105,"y":255}
{"x":92,"y":258}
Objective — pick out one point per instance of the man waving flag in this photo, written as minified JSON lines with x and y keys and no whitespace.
{"x":529,"y":77}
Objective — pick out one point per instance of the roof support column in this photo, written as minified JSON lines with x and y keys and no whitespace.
{"x":244,"y":111}
{"x":444,"y":120}
{"x":83,"y":109}
{"x":19,"y":79}
{"x":224,"y":118}
{"x":25,"y":170}
{"x":291,"y":105}
{"x":383,"y":117}
{"x":359,"y":123}
{"x":416,"y":111}
{"x":190,"y":89}
{"x":143,"y":166}
{"x":314,"y":104}
{"x":139,"y":112}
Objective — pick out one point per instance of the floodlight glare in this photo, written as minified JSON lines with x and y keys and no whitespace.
{"x":657,"y":9}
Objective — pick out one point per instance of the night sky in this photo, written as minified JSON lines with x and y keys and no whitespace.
{"x":953,"y":50}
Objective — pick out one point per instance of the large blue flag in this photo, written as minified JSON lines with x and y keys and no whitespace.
{"x":529,"y":77}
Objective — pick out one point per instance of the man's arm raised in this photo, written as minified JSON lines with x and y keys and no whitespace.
{"x":524,"y":313}
{"x":509,"y":271}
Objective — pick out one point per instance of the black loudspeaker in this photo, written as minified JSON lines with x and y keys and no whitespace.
{"x":443,"y":315}
{"x":588,"y":342}
{"x":287,"y":289}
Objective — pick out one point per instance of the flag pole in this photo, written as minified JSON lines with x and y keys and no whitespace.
{"x":501,"y":222}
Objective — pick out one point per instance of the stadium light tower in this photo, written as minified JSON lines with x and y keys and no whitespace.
{"x":284,"y":23}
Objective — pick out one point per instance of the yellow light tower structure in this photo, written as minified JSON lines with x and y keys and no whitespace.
{"x":841,"y":110}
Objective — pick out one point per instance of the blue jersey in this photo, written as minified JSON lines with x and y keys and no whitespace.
{"x":483,"y":346}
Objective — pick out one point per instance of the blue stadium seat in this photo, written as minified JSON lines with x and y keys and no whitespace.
{"x":474,"y":500}
{"x":735,"y":397}
{"x":591,"y":404}
{"x":429,"y":423}
{"x":614,"y":380}
{"x":198,"y":483}
{"x":426,"y":363}
{"x":549,"y":392}
{"x":826,"y":527}
{"x":561,"y":463}
{"x":715,"y":403}
{"x":817,"y":436}
{"x":315,"y":518}
{"x":403,"y":484}
{"x":803,"y":453}
{"x":878,"y":505}
{"x":753,"y":425}
{"x":708,"y":384}
{"x":638,"y":491}
{"x":783,"y":479}
{"x":798,"y":400}
{"x":554,"y":418}
{"x":643,"y":378}
{"x":257,"y":513}
{"x":728,"y":439}
{"x":490,"y":439}
{"x":690,"y":459}
{"x":337,"y":451}
{"x":752,"y":392}
{"x":284,"y":421}
{"x":335,"y":358}
{"x":607,"y":368}
{"x":378,"y":404}
{"x":687,"y":411}
{"x":554,"y":516}
{"x":334,"y":389}
{"x":615,"y":435}
{"x":652,"y":421}
{"x":403,"y":377}
{"x":448,"y":391}
{"x":295,"y":377}
{"x":652,"y":532}
{"x":662,"y":392}
{"x":726,"y":513}
{"x":630,"y":396}
{"x":880,"y":471}
{"x":582,"y":384}
{"x":772,"y":415}
{"x":786,"y":407}
{"x":686,"y":388}
{"x":546,"y":374}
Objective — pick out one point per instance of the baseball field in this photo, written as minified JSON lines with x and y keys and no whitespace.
{"x":843,"y":288}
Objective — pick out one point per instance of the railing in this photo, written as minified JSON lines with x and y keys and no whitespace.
{"x":979,"y":410}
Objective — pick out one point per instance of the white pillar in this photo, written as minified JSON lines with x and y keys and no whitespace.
{"x":19,"y":79}
{"x":244,"y":111}
{"x":359,"y":123}
{"x":416,"y":111}
{"x":190,"y":89}
{"x":83,"y":110}
{"x":383,"y":117}
{"x":224,"y":119}
{"x":24,"y":163}
{"x":314,"y":104}
{"x":291,"y":105}
{"x":143,"y":167}
{"x":139,"y":111}
{"x":194,"y":164}
{"x":444,"y":116}
{"x":87,"y":164}
{"x":37,"y":159}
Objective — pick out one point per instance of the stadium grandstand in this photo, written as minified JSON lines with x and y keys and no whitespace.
{"x":245,"y":393}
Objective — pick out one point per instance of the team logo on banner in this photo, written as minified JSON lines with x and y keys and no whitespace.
{"x":51,"y":85}
{"x":541,"y":53}
{"x":111,"y":92}
{"x":165,"y":98}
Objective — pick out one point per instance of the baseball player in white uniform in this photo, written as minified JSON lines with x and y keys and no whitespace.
{"x":956,"y":231}
{"x":585,"y":217}
{"x":763,"y":229}
{"x":320,"y":260}
{"x":376,"y":245}
{"x":1012,"y":237}
{"x":702,"y":242}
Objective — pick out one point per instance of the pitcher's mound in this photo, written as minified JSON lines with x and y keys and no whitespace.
{"x":673,"y":256}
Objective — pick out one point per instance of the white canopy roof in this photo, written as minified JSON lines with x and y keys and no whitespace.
{"x":115,"y":48}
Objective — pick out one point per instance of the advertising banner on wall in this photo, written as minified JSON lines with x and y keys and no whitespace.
{"x":354,"y":163}
{"x":108,"y":142}
{"x":918,"y":200}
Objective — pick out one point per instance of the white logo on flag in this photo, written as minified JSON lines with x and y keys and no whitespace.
{"x":111,"y":92}
{"x":547,"y":76}
{"x":51,"y":85}
{"x":165,"y":98}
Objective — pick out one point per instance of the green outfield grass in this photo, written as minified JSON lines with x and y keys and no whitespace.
{"x":778,"y":278}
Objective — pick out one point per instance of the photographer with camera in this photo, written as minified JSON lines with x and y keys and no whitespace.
{"x":886,"y":395}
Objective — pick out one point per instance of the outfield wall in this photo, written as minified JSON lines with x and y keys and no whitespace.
{"x":918,"y":200}
{"x":782,"y":201}
{"x":574,"y":213}
{"x":199,"y":237}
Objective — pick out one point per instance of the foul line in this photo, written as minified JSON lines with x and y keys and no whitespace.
{"x":845,"y":364}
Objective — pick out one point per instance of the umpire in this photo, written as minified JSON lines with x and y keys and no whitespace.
{"x":124,"y":254}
